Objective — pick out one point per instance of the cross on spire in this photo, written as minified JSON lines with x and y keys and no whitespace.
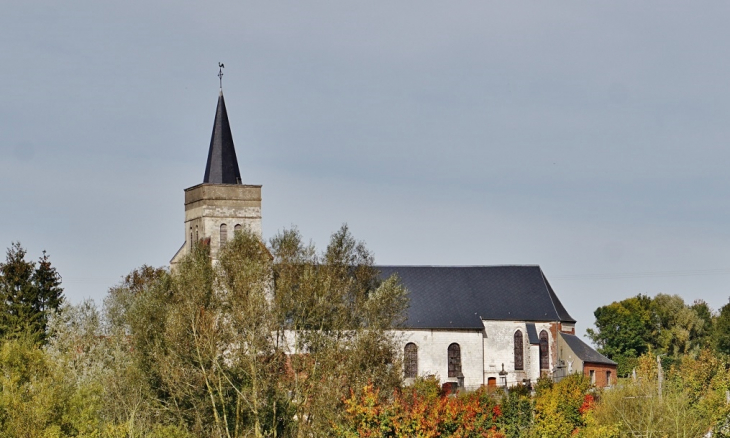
{"x":220,"y":73}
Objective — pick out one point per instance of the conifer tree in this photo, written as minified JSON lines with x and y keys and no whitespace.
{"x":29,"y":294}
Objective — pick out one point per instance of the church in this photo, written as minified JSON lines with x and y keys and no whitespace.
{"x":469,"y":326}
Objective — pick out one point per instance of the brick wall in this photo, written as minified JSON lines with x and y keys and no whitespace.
{"x":599,"y":371}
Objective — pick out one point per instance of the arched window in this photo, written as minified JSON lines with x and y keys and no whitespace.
{"x":224,"y":234}
{"x":410,"y":361}
{"x":519,"y":350}
{"x":544,"y":359}
{"x":191,"y":238}
{"x":454,"y":360}
{"x":197,"y":236}
{"x":237,"y":229}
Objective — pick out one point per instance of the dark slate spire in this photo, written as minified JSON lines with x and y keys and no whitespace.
{"x":222,"y":166}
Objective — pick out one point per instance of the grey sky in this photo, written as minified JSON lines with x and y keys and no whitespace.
{"x":586,"y":138}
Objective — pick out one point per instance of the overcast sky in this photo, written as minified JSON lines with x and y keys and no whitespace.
{"x":589,"y":138}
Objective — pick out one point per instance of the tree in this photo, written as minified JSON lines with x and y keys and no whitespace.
{"x":624,"y":328}
{"x":704,"y":333}
{"x":342,"y":315}
{"x":38,"y":399}
{"x":560,"y":407}
{"x":267,"y":341}
{"x":664,"y":324}
{"x":29,"y":294}
{"x":679,"y":326}
{"x":722,"y":330}
{"x":517,"y":412}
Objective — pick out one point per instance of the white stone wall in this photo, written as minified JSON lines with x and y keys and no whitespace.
{"x":433,"y":353}
{"x":482,"y":353}
{"x":499,"y":349}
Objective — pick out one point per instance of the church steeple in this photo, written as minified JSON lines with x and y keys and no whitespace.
{"x":222,"y":166}
{"x":221,"y":206}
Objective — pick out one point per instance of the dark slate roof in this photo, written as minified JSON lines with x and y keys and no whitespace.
{"x":584,"y":351}
{"x":459,"y":297}
{"x":222,"y":166}
{"x":532,"y":333}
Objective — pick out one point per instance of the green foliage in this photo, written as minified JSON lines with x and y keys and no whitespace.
{"x":705,"y":330}
{"x":29,"y":294}
{"x":626,"y":364}
{"x":210,"y":346}
{"x":37,"y":398}
{"x":624,"y":328}
{"x":663,"y":325}
{"x":679,"y":328}
{"x":722,"y":330}
{"x":286,"y":341}
{"x":342,"y":316}
{"x":517,"y":412}
{"x":558,"y":407}
{"x":692,"y":400}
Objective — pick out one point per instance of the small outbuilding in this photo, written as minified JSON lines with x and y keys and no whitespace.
{"x":575,"y":356}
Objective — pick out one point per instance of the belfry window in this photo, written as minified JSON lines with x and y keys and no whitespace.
{"x":224,"y":234}
{"x":544,"y":359}
{"x":454,"y":353}
{"x":236,"y":229}
{"x":410,"y":361}
{"x":519,"y":351}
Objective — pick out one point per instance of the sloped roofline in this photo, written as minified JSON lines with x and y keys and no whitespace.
{"x":585,"y":352}
{"x":451,"y":297}
{"x":557,"y":305}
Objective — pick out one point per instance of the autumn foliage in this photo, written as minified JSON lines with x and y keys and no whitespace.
{"x":420,"y":411}
{"x":562,"y":409}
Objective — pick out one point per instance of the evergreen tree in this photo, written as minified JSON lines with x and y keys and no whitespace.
{"x":29,"y":294}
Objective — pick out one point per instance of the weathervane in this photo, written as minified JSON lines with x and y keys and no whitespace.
{"x":220,"y":73}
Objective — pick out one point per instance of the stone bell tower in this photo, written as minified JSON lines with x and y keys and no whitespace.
{"x":221,"y":205}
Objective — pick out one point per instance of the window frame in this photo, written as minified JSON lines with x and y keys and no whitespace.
{"x":454,"y":360}
{"x":519,"y":351}
{"x":410,"y":361}
{"x":223,"y":234}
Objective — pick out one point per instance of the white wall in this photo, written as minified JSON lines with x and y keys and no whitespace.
{"x":499,"y":349}
{"x":482,"y":353}
{"x":433,"y":356}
